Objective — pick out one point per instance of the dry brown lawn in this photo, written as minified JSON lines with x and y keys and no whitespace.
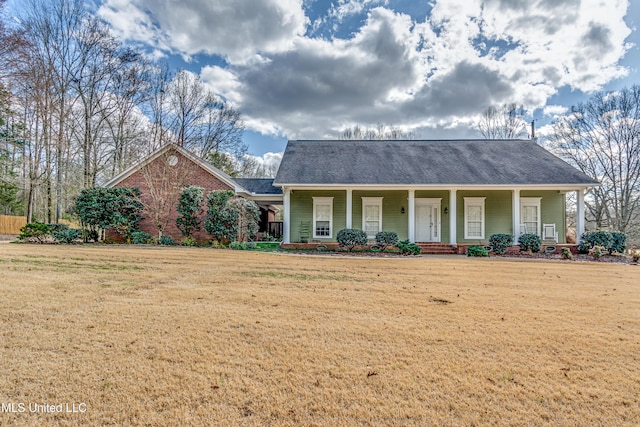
{"x":177,"y":336}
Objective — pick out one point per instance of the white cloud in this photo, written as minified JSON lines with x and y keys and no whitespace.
{"x":554,"y":110}
{"x":436,"y":74}
{"x":235,"y":29}
{"x":268,"y":162}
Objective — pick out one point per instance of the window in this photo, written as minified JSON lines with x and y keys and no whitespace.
{"x":474,"y":217}
{"x":322,"y":216}
{"x":372,"y":215}
{"x":530,"y":214}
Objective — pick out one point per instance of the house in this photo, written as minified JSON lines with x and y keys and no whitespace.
{"x":453,"y":192}
{"x":457,"y":192}
{"x":161,"y":176}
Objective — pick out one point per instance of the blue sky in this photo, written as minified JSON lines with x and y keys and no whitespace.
{"x":309,"y":68}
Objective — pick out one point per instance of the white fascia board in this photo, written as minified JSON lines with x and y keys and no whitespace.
{"x":189,"y":155}
{"x":559,"y":187}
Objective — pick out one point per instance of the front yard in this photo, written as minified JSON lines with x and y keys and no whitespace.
{"x":145,"y":335}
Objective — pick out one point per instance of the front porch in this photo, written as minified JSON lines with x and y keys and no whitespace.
{"x":453,"y":216}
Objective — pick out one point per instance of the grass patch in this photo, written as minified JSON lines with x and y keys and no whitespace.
{"x":185,"y":336}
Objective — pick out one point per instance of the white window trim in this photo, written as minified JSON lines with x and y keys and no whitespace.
{"x":532,"y":201}
{"x":323,"y":201}
{"x":372,"y":201}
{"x":474,"y":201}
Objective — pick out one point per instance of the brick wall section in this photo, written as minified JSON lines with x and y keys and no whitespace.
{"x":198,"y":176}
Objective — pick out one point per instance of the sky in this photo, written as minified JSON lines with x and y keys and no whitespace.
{"x":307,"y":69}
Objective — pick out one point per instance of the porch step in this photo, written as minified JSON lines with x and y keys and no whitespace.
{"x":437,"y":248}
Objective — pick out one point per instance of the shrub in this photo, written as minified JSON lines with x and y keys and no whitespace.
{"x":635,"y":257}
{"x":408,"y":248}
{"x":67,"y":235}
{"x":140,"y":238}
{"x":530,"y":242}
{"x":35,"y":232}
{"x":597,"y":238}
{"x":583,"y":247}
{"x":220,"y":222}
{"x":612,"y":242}
{"x":247,"y":214}
{"x":618,"y":243}
{"x":597,"y":251}
{"x":166,"y":240}
{"x":190,"y":207}
{"x":349,"y":238}
{"x":566,"y":253}
{"x":385,"y":239}
{"x":55,"y":227}
{"x":500,"y":242}
{"x":235,"y":245}
{"x":249,"y":245}
{"x":100,"y":208}
{"x":189,"y":241}
{"x":477,"y":251}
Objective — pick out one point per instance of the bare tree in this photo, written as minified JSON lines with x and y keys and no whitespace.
{"x":221,"y":130}
{"x":379,"y":132}
{"x":187,"y":100}
{"x":505,"y":122}
{"x":157,"y":106}
{"x":602,"y":138}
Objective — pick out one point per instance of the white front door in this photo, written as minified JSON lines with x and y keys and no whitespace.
{"x":427,"y":220}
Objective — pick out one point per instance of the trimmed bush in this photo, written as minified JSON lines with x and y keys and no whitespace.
{"x":349,"y":238}
{"x":166,"y":240}
{"x":583,"y":247}
{"x":500,"y":242}
{"x":597,"y":251}
{"x":597,"y":238}
{"x":612,"y":242}
{"x":566,"y":253}
{"x":618,"y":243}
{"x":242,"y":246}
{"x":140,"y":238}
{"x":67,"y":235}
{"x":385,"y":239}
{"x":477,"y":251}
{"x":189,"y":208}
{"x":530,"y":242}
{"x":36,"y":232}
{"x":189,"y":241}
{"x":221,"y":223}
{"x":408,"y":248}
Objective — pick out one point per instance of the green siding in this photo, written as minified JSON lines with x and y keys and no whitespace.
{"x":302,"y":210}
{"x":392,"y":217}
{"x":497,"y":212}
{"x":552,"y":207}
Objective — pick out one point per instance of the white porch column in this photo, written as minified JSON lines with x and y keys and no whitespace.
{"x":453,"y":238}
{"x":286,"y":238}
{"x":580,"y":216}
{"x":515,"y":210}
{"x":349,"y":208}
{"x":411,"y":217}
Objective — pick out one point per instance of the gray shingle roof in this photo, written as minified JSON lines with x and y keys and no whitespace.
{"x":433,"y":162}
{"x":258,"y":185}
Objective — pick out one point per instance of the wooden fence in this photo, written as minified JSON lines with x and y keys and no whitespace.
{"x":13,"y":224}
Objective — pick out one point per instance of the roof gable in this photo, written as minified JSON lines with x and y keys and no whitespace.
{"x":251,"y":186}
{"x":431,"y":162}
{"x":189,"y":155}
